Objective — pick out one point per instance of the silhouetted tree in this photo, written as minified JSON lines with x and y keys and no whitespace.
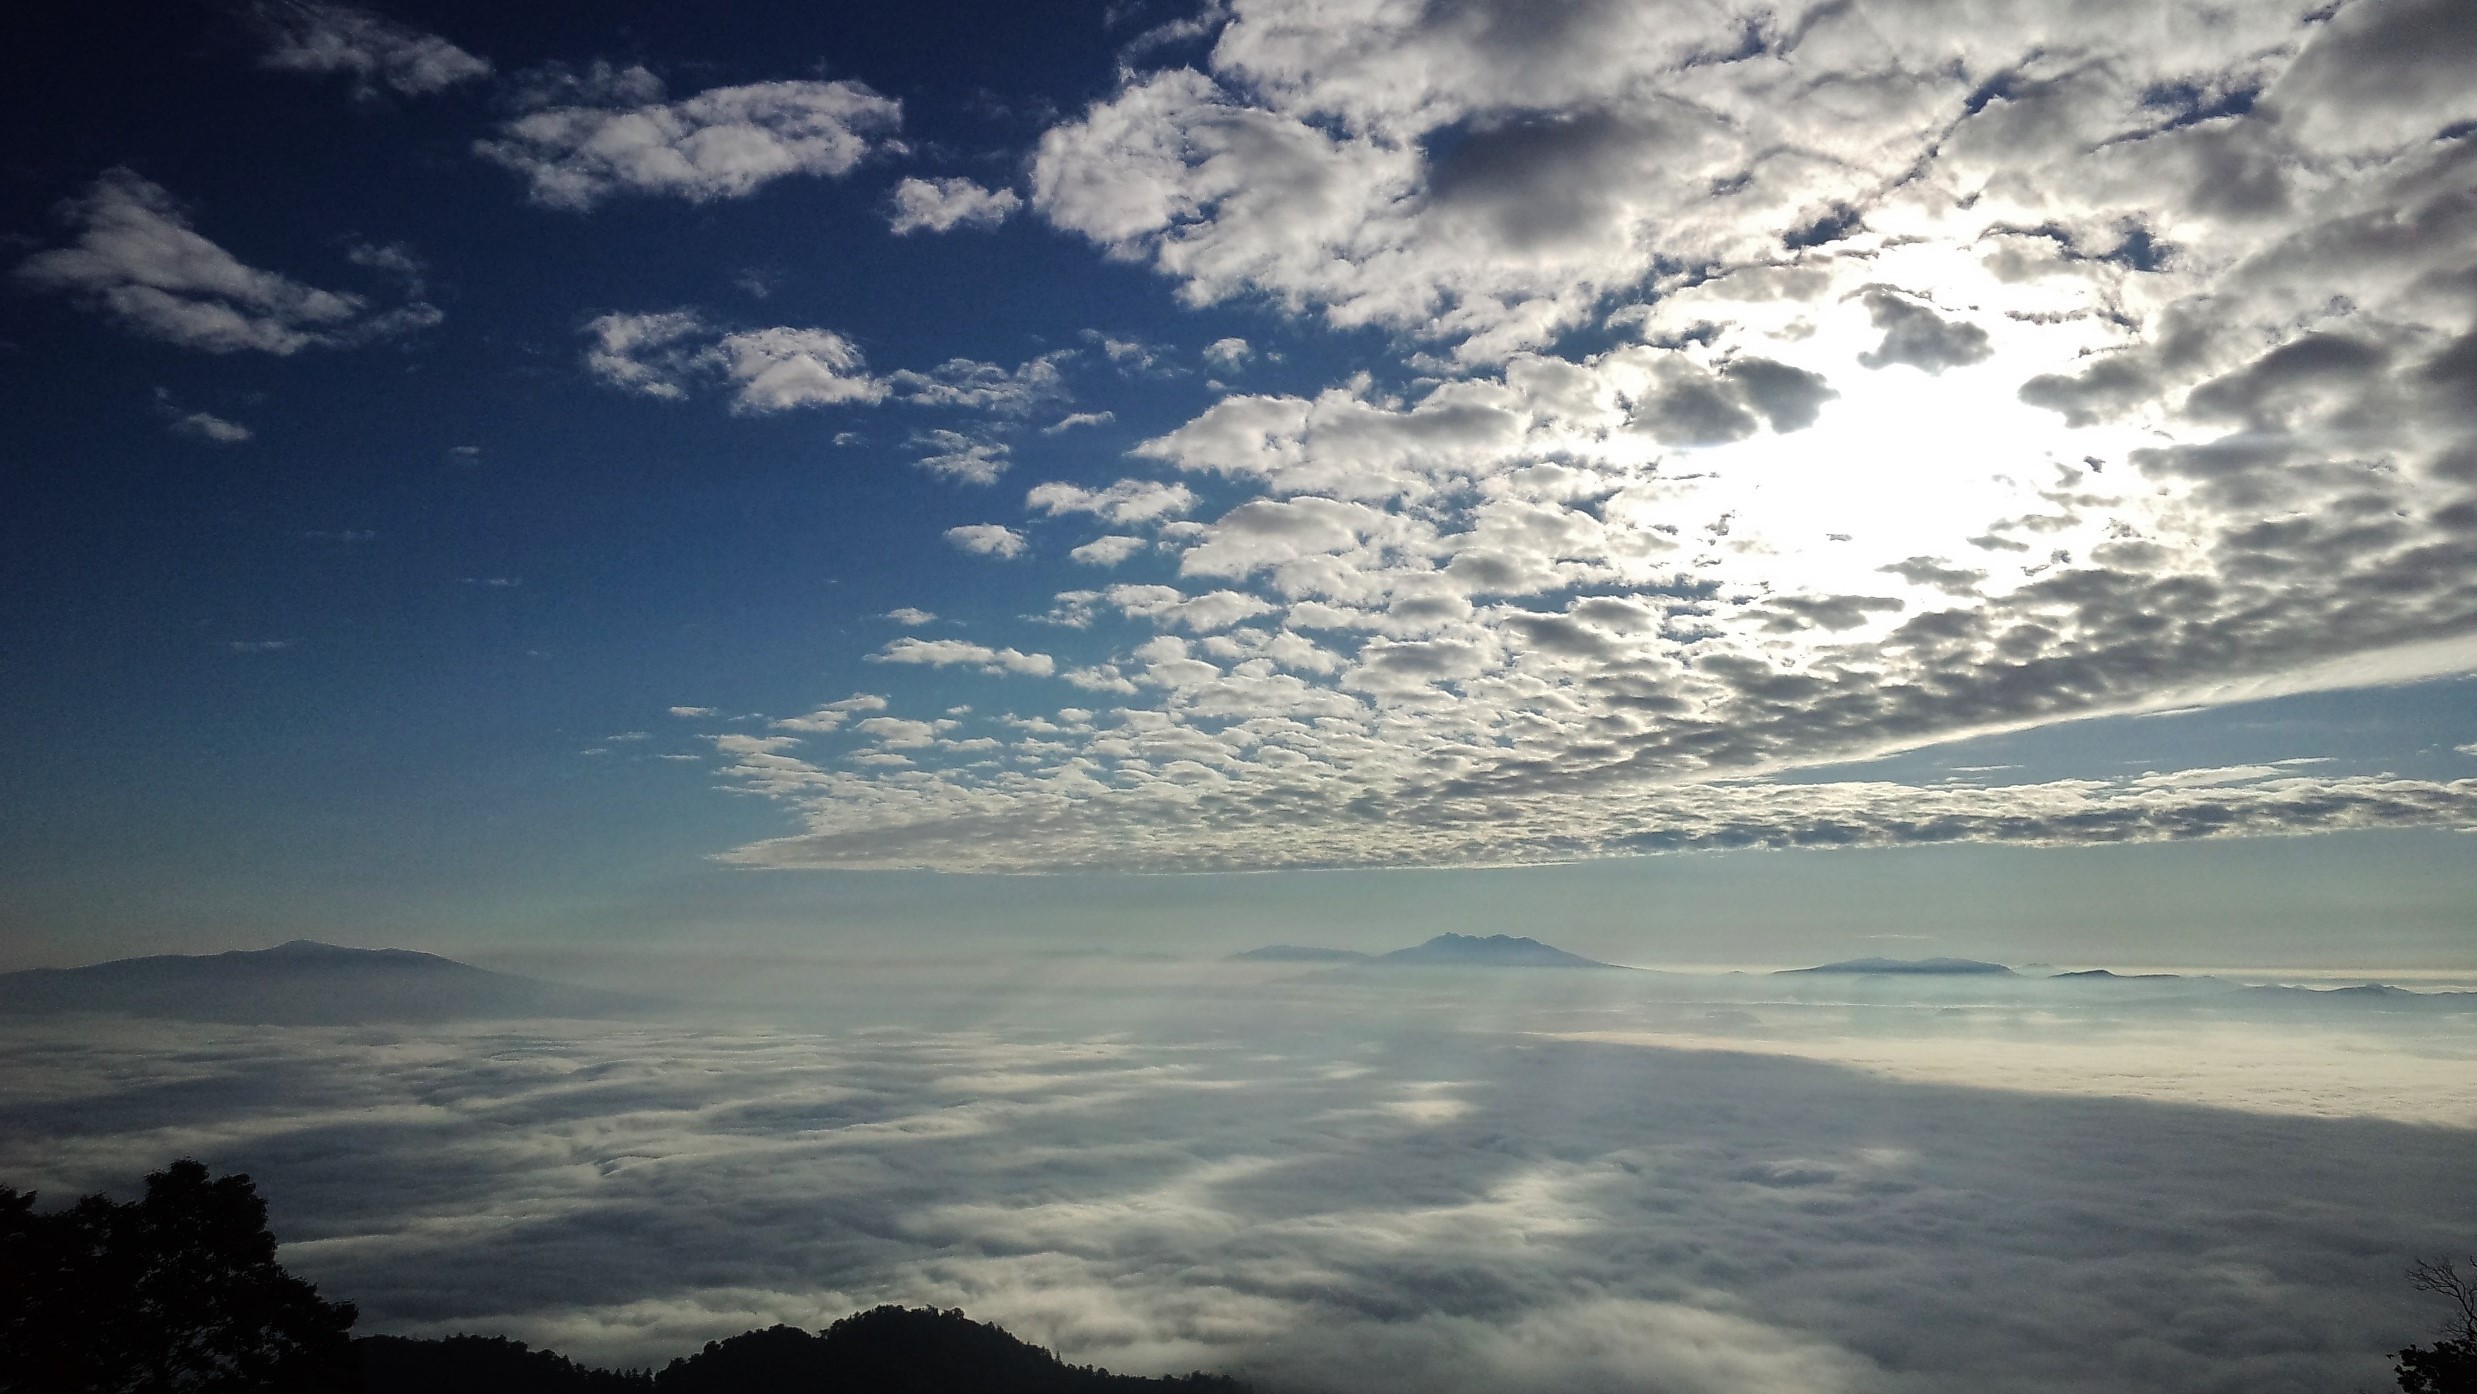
{"x":180,"y":1293}
{"x":2449,"y":1366}
{"x":889,"y":1350}
{"x":177,"y":1293}
{"x":483,"y":1365}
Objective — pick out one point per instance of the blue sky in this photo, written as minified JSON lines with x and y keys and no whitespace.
{"x":526,"y":482}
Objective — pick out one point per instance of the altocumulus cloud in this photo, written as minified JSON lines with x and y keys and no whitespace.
{"x":1951,"y":386}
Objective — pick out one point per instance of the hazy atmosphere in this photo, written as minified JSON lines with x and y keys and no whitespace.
{"x":1182,"y":675}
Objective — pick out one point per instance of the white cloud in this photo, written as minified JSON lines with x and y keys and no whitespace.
{"x":1109,"y":550}
{"x":831,"y":716}
{"x":1126,"y":502}
{"x":894,"y":733}
{"x":376,"y":52}
{"x":988,"y":540}
{"x":951,"y":653}
{"x":942,"y":205}
{"x":588,"y":137}
{"x":646,"y":353}
{"x":202,"y":425}
{"x":1229,"y":355}
{"x":781,"y":368}
{"x":977,"y":386}
{"x":207,"y":426}
{"x":1129,"y":355}
{"x":1202,"y":613}
{"x":395,"y":258}
{"x":691,"y":713}
{"x":963,"y":459}
{"x":666,"y":353}
{"x":137,"y":261}
{"x":906,"y":614}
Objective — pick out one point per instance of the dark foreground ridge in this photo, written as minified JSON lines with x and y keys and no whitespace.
{"x":886,"y":1350}
{"x":1917,"y":967}
{"x":302,"y":983}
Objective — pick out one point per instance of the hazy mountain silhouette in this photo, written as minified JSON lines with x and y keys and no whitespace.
{"x":1297,"y":953}
{"x":2366,"y":996}
{"x":2110,"y":975}
{"x":1494,"y":951}
{"x":1921,"y":967}
{"x":297,"y":984}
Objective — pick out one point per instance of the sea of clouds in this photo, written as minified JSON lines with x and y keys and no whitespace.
{"x":1358,"y":1181}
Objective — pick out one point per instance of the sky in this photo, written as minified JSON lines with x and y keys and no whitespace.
{"x":1700,"y":483}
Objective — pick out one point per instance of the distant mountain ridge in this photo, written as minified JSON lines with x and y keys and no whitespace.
{"x":1443,"y":951}
{"x":1493,"y":951}
{"x":1297,"y":953}
{"x":301,"y":983}
{"x":1919,"y":967}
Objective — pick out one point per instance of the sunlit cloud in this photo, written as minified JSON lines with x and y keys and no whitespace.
{"x":587,"y":136}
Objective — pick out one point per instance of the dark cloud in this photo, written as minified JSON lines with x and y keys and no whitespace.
{"x":2096,"y":393}
{"x":1934,"y":571}
{"x":1790,"y":398}
{"x":1691,"y":407}
{"x":1695,"y":411}
{"x":2287,"y":379}
{"x":2382,"y":69}
{"x":1921,"y":338}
